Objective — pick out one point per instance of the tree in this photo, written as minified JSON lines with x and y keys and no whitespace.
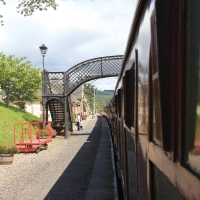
{"x":100,"y":103}
{"x":103,"y":98}
{"x":89,"y":93}
{"x":18,"y":79}
{"x":27,"y":7}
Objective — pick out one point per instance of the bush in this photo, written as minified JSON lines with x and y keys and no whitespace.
{"x":8,"y":149}
{"x":73,"y":117}
{"x":44,"y":133}
{"x":3,"y":149}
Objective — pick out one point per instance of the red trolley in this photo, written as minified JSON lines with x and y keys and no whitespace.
{"x":31,"y":136}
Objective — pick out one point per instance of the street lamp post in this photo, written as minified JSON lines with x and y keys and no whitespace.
{"x":94,"y":102}
{"x":43,"y":50}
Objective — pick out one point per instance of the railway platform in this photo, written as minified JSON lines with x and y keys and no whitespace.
{"x":91,"y":174}
{"x":103,"y":183}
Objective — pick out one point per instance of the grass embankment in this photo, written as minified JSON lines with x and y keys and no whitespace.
{"x":8,"y":117}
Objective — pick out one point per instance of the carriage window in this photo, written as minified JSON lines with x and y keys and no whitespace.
{"x":125,"y":98}
{"x":131,"y":169}
{"x":156,"y":108}
{"x":191,"y":127}
{"x":116,"y":104}
{"x":129,"y":98}
{"x":119,"y":102}
{"x":160,"y":73}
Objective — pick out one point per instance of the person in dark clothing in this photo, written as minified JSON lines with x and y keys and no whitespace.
{"x":78,"y":121}
{"x":81,"y":125}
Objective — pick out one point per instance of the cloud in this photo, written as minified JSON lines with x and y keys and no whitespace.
{"x":105,"y":83}
{"x":78,"y":30}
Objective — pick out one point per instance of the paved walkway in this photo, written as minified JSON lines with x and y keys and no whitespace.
{"x":103,"y":182}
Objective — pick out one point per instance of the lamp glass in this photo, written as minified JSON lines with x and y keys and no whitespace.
{"x":43,"y":49}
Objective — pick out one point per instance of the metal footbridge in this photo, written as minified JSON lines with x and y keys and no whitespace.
{"x":57,"y":86}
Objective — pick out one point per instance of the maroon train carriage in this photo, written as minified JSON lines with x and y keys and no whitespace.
{"x":155,"y":111}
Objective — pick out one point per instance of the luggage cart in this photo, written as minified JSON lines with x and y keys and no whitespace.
{"x":31,"y":136}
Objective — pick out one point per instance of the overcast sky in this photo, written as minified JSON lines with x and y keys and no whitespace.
{"x":77,"y":31}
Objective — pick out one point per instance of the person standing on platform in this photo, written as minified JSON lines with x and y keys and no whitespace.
{"x":81,"y":125}
{"x":78,"y":121}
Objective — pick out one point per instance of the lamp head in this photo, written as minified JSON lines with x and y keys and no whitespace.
{"x":43,"y":50}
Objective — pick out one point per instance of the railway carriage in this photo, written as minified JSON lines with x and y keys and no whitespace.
{"x":155,"y":111}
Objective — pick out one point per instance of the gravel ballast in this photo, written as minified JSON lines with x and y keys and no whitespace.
{"x":63,"y":171}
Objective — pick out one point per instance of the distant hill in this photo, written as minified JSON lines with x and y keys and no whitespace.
{"x":105,"y":92}
{"x":103,"y":98}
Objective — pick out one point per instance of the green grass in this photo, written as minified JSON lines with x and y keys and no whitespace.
{"x":8,"y":117}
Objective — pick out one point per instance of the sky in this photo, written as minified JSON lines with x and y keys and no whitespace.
{"x":76,"y":31}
